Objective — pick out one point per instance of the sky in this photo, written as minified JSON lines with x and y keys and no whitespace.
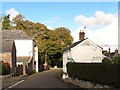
{"x":99,"y":18}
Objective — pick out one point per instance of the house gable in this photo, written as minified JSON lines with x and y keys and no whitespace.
{"x":85,"y":42}
{"x":72,"y":45}
{"x":88,"y":42}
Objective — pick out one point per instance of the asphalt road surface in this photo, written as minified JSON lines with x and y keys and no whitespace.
{"x":46,"y":79}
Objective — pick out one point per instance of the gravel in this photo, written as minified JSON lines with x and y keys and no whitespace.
{"x":86,"y":84}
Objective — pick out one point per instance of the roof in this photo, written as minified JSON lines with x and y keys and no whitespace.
{"x":110,"y":55}
{"x":24,"y":59}
{"x":14,"y":34}
{"x":76,"y":43}
{"x":73,"y":45}
{"x":6,"y":45}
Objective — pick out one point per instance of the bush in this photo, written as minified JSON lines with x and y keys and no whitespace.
{"x":116,"y":59}
{"x":6,"y":68}
{"x":19,"y":71}
{"x":0,"y":68}
{"x":48,"y":67}
{"x":96,"y":72}
{"x":106,"y":60}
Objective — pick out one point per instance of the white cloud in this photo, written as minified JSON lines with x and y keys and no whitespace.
{"x":12,"y":12}
{"x":105,"y":36}
{"x":49,"y":27}
{"x":99,"y":18}
{"x":54,"y":19}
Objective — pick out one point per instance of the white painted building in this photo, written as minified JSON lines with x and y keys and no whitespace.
{"x":83,"y":51}
{"x":26,"y":49}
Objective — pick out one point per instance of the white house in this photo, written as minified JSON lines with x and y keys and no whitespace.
{"x":26,"y":49}
{"x":83,"y":51}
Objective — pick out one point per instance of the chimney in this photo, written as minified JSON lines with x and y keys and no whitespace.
{"x":109,"y":52}
{"x":81,"y":35}
{"x":116,"y":51}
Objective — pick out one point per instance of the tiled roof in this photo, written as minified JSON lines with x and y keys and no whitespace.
{"x":14,"y":34}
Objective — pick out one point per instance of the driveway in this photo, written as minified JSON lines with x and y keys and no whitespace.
{"x":46,"y":79}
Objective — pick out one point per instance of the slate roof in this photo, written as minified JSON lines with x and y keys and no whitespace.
{"x":73,"y":45}
{"x":76,"y":43}
{"x":7,"y":38}
{"x":14,"y":34}
{"x":6,"y":45}
{"x":24,"y":59}
{"x":111,"y":55}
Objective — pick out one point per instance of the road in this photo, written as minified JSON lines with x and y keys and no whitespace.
{"x":46,"y":79}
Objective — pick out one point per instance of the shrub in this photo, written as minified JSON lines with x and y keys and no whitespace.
{"x":19,"y":71}
{"x":96,"y":72}
{"x":116,"y":59}
{"x":0,"y":68}
{"x":48,"y":67}
{"x":106,"y":60}
{"x":6,"y":68}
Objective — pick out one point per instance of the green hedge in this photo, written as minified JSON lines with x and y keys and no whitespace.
{"x":108,"y":74}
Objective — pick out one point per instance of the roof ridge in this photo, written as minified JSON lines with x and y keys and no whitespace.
{"x":74,"y":44}
{"x":14,"y":34}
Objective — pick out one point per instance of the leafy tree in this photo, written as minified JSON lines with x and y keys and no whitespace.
{"x":63,"y":35}
{"x":50,"y":42}
{"x":18,"y":22}
{"x":54,"y":43}
{"x":6,"y":23}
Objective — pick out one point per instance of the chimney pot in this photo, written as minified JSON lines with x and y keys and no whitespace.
{"x":81,"y":35}
{"x":116,"y":51}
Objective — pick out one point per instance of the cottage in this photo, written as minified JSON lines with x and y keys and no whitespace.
{"x":82,"y":51}
{"x":8,"y":54}
{"x":110,"y":54}
{"x":26,"y":50}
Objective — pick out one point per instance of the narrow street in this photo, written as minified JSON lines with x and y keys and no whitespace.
{"x":46,"y":79}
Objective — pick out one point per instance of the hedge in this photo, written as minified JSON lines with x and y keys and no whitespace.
{"x":108,"y":74}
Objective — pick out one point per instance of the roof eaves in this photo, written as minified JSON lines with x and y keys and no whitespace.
{"x":73,"y":45}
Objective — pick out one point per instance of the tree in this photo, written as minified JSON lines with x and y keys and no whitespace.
{"x":6,"y":23}
{"x":53,"y":44}
{"x":18,"y":22}
{"x":63,"y":35}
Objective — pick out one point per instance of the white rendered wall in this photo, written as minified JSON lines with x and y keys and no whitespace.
{"x":84,"y":52}
{"x":65,"y":55}
{"x":36,"y":58}
{"x":24,"y":47}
